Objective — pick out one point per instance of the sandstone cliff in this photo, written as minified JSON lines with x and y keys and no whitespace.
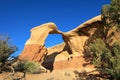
{"x":70,"y":53}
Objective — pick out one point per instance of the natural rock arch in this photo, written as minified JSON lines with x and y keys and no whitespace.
{"x":35,"y":44}
{"x":74,"y":43}
{"x":40,"y":33}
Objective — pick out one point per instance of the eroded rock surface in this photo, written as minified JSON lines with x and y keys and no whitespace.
{"x":34,"y":48}
{"x":70,"y":53}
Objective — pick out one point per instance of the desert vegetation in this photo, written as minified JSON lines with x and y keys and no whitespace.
{"x":111,"y":14}
{"x":13,"y":65}
{"x":105,"y":59}
{"x":105,"y":55}
{"x":6,"y":49}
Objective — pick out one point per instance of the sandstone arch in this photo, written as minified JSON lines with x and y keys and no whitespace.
{"x":34,"y":48}
{"x":40,"y":33}
{"x":76,"y":38}
{"x":74,"y":43}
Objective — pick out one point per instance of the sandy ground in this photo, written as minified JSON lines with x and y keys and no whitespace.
{"x":55,"y":75}
{"x":65,"y":74}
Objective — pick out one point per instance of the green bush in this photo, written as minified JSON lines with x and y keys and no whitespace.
{"x":107,"y":59}
{"x":28,"y":66}
{"x":99,"y":53}
{"x":31,"y":67}
{"x":111,"y":14}
{"x":114,"y":71}
{"x":6,"y":49}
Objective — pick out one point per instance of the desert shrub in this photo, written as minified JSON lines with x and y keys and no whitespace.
{"x":107,"y":59}
{"x":111,"y":14}
{"x":19,"y":66}
{"x":114,"y":71}
{"x":83,"y":75}
{"x":99,"y":53}
{"x":29,"y":67}
{"x":6,"y":49}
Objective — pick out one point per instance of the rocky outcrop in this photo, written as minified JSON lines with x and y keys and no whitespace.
{"x":70,"y":53}
{"x":76,"y":38}
{"x":33,"y":52}
{"x":34,"y":48}
{"x":40,"y":33}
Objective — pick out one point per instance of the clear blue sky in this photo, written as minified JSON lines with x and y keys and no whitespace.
{"x":17,"y":17}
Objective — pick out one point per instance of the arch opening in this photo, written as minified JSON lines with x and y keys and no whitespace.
{"x":53,"y":39}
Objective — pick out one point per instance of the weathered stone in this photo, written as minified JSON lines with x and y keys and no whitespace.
{"x":40,"y":33}
{"x":34,"y":48}
{"x":70,"y":53}
{"x":33,"y":52}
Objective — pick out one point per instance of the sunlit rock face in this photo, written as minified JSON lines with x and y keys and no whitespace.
{"x":35,"y":49}
{"x":70,"y":53}
{"x":33,"y":52}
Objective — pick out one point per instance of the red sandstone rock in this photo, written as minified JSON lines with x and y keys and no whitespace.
{"x":33,"y":52}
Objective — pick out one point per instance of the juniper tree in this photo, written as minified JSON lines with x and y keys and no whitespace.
{"x":6,"y":49}
{"x":111,"y":14}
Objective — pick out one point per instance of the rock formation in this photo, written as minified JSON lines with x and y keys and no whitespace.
{"x":34,"y":48}
{"x":70,"y":53}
